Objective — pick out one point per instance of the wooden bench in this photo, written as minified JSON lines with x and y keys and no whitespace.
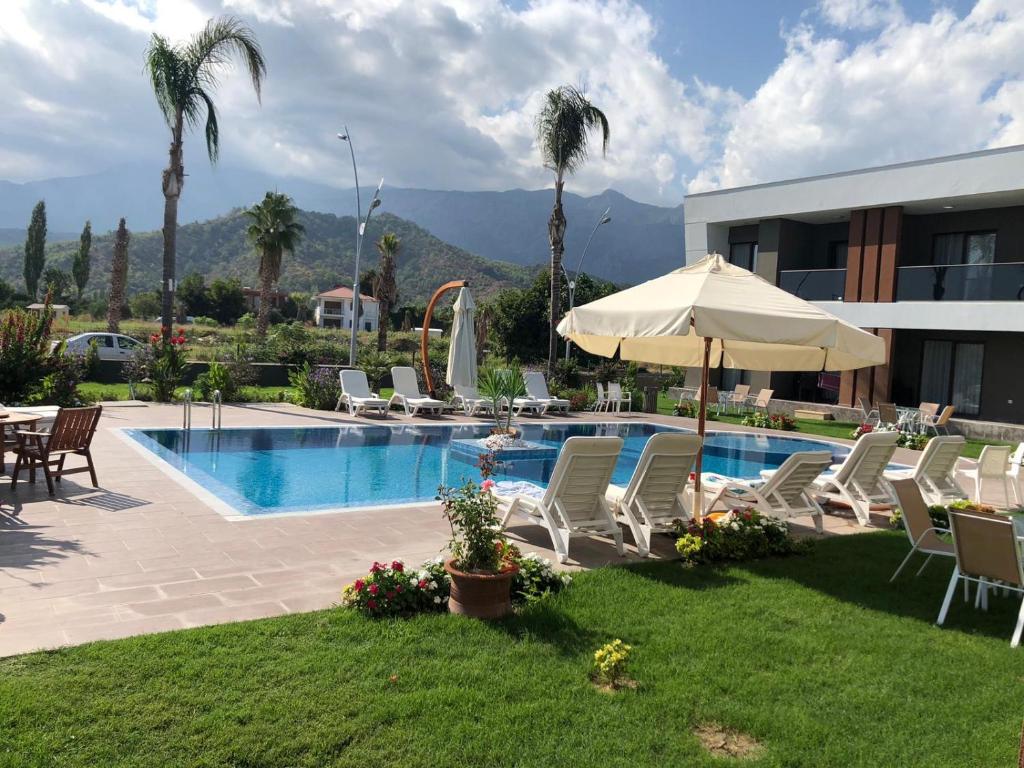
{"x":812,"y":415}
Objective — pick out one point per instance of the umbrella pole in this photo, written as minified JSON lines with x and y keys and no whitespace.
{"x":698,"y":495}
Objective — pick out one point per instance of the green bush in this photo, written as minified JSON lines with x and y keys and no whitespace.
{"x":24,"y":353}
{"x":736,"y":536}
{"x":217,"y":377}
{"x":315,"y":387}
{"x":376,"y":365}
{"x":206,"y":322}
{"x":769,"y":421}
{"x":579,"y":399}
{"x":91,"y":363}
{"x":60,"y":385}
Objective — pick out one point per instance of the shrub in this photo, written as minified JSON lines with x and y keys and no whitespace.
{"x":691,"y":410}
{"x":911,"y":440}
{"x":478,"y":544}
{"x":391,"y":590}
{"x":610,"y":662}
{"x":769,"y":421}
{"x":376,"y":365}
{"x":91,"y":363}
{"x":161,"y":364}
{"x":536,"y":578}
{"x":579,"y":399}
{"x":24,"y":358}
{"x":315,"y":387}
{"x":217,"y":377}
{"x":60,"y":385}
{"x":206,"y":322}
{"x":735,"y":536}
{"x":566,"y":375}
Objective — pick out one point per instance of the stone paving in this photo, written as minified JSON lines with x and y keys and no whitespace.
{"x":143,"y":554}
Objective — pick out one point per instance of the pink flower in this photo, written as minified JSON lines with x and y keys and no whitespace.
{"x":398,"y":589}
{"x":374,"y":589}
{"x":422,"y":584}
{"x":358,"y":585}
{"x":376,"y":567}
{"x":487,"y":484}
{"x":397,"y":565}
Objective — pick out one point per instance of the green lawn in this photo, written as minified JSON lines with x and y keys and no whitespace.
{"x":817,"y":657}
{"x":95,"y":391}
{"x":841,"y":429}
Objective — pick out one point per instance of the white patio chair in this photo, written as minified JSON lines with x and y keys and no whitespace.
{"x":602,"y":403}
{"x":786,"y":493}
{"x":408,"y":395}
{"x":941,"y":421}
{"x":922,"y":532}
{"x":737,"y":398}
{"x":574,"y":503}
{"x":537,"y":390}
{"x":617,"y":396}
{"x":761,"y":400}
{"x":356,"y":394}
{"x":657,"y":493}
{"x":469,"y":400}
{"x":993,"y":466}
{"x":869,"y":415}
{"x":987,"y":551}
{"x":859,"y":480}
{"x":935,"y":472}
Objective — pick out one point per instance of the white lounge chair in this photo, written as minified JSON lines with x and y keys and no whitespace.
{"x":537,"y":390}
{"x":785,"y":494}
{"x":935,"y":472}
{"x":1016,"y":471}
{"x":993,"y":465}
{"x":657,"y":494}
{"x":469,"y":400}
{"x":923,"y":535}
{"x":408,"y":395}
{"x":356,"y":394}
{"x":574,"y":502}
{"x":859,"y":480}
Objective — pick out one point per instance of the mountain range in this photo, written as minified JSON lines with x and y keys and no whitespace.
{"x":641,"y":241}
{"x":324,"y":258}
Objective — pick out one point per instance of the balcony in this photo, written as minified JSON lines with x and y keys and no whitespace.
{"x":961,"y":282}
{"x":814,"y":284}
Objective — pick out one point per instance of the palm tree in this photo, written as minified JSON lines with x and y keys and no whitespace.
{"x":563,"y":128}
{"x":184,"y":76}
{"x":385,"y":286}
{"x":272,"y":230}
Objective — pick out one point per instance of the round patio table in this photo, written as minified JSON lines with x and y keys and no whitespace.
{"x":14,"y":421}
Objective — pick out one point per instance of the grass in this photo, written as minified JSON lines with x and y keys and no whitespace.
{"x":95,"y":391}
{"x":833,"y":429}
{"x":819,"y":658}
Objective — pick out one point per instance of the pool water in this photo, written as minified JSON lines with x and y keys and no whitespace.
{"x":260,"y":471}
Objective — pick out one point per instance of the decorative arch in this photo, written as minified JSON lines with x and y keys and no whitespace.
{"x":424,"y":353}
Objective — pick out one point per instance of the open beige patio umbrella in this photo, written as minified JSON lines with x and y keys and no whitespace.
{"x":714,"y":313}
{"x":462,"y":348}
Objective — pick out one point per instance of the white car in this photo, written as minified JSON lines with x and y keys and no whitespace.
{"x":111,"y":346}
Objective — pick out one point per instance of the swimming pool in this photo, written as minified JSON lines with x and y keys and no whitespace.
{"x":272,"y":470}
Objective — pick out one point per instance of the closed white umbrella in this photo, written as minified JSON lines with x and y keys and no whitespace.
{"x":462,"y":349}
{"x":714,"y":313}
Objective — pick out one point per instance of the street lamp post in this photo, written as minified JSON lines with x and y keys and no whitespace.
{"x":360,"y":231}
{"x":605,"y":218}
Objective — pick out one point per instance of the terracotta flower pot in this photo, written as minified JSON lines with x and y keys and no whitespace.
{"x":480,"y":595}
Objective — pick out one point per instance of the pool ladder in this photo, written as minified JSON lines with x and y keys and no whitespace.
{"x":186,"y":414}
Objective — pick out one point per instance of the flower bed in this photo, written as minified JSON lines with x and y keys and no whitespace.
{"x":769,"y":421}
{"x":734,"y":536}
{"x":911,"y":440}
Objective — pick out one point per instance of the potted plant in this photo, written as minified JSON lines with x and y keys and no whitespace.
{"x":482,"y":564}
{"x":502,"y":386}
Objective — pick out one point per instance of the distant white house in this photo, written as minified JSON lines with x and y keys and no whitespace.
{"x":60,"y":311}
{"x":334,"y":310}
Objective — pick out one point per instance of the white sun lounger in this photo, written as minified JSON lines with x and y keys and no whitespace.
{"x":935,"y":472}
{"x":574,"y":502}
{"x":785,"y":494}
{"x":408,"y":395}
{"x":859,"y":481}
{"x":356,"y":394}
{"x":469,"y":400}
{"x":527,"y":404}
{"x":537,"y":390}
{"x":657,"y":494}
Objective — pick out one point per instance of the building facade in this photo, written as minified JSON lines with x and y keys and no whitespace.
{"x":928,"y":255}
{"x":334,"y":310}
{"x":252,"y":299}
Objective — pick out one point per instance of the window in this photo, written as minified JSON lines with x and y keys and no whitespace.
{"x":366,"y":327}
{"x":964,"y":248}
{"x":103,"y":341}
{"x":123,"y":342}
{"x":743,"y":255}
{"x":837,"y":250}
{"x":951,"y":373}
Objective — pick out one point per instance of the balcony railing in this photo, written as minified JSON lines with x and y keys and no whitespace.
{"x":961,"y":282}
{"x":814,"y":284}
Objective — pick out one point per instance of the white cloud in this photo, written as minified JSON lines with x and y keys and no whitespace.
{"x":916,"y":90}
{"x":861,"y":14}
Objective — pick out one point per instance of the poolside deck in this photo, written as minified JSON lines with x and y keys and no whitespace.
{"x":144,"y":554}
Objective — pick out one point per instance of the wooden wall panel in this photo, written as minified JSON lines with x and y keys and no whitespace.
{"x":870,"y":254}
{"x":892,"y":234}
{"x":854,"y":254}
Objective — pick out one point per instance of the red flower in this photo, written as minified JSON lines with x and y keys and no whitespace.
{"x":376,"y":567}
{"x":397,"y":566}
{"x":358,"y":585}
{"x":374,"y":589}
{"x":747,"y":516}
{"x":422,"y":584}
{"x":371,"y":604}
{"x":390,"y":594}
{"x":181,"y":331}
{"x":398,"y":589}
{"x":154,"y":338}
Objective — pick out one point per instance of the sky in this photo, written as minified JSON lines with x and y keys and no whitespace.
{"x":442,"y":94}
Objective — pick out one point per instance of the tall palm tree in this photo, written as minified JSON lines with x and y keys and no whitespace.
{"x":272,"y":230}
{"x":563,"y":129}
{"x":184,"y":76}
{"x":385,"y":286}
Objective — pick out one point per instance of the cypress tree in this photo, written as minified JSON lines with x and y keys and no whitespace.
{"x":80,"y":266}
{"x":35,"y":249}
{"x":118,"y":277}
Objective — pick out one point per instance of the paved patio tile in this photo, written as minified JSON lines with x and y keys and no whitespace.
{"x":171,"y":605}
